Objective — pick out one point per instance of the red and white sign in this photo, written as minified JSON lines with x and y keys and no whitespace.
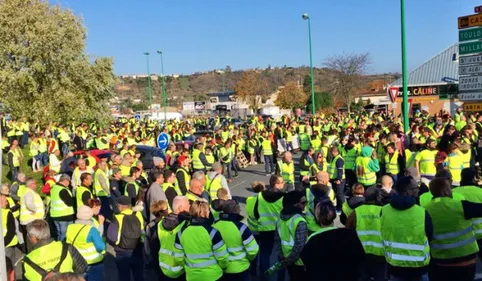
{"x":478,"y":9}
{"x":393,"y":92}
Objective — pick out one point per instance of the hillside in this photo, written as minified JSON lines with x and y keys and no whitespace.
{"x":196,"y":86}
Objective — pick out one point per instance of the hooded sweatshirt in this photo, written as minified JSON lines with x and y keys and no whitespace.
{"x":404,"y":202}
{"x":373,"y":165}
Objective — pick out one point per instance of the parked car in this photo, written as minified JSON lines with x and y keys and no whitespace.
{"x":149,"y":152}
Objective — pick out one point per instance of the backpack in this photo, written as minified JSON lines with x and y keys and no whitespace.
{"x":47,"y":275}
{"x":131,"y":232}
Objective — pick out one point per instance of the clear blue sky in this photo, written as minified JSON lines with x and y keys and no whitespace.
{"x":199,"y":35}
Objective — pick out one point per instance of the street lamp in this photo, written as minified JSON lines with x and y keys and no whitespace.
{"x":163,"y":87}
{"x":307,"y":17}
{"x":404,"y":68}
{"x":149,"y":93}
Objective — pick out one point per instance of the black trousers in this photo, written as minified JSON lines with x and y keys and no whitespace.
{"x":296,"y":272}
{"x":242,"y":276}
{"x":452,"y":273}
{"x":339,"y":190}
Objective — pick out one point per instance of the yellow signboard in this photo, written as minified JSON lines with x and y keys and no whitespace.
{"x":472,"y":106}
{"x":470,"y":21}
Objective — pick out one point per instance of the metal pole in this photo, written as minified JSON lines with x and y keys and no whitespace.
{"x":149,"y":93}
{"x":3,"y":262}
{"x":224,"y":73}
{"x":311,"y":71}
{"x":404,"y":68}
{"x":163,"y":87}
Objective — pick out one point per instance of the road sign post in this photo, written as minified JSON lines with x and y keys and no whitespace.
{"x":163,"y":141}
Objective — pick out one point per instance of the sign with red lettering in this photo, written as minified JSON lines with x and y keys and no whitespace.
{"x":470,"y":21}
{"x":478,"y":9}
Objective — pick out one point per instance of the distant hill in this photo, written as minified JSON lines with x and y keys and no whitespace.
{"x":198,"y":85}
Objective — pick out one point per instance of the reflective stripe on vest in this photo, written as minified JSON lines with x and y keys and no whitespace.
{"x":268,"y":213}
{"x":87,"y":250}
{"x":368,"y":227}
{"x":287,"y":171}
{"x":287,"y":231}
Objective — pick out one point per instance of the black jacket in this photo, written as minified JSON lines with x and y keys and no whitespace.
{"x":352,"y":202}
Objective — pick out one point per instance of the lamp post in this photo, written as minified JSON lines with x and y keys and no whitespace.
{"x":307,"y":17}
{"x":149,"y":93}
{"x":404,"y":67}
{"x":163,"y":87}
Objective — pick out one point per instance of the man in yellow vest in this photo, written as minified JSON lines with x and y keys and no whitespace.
{"x":62,"y":206}
{"x":102,"y":188}
{"x":84,"y":192}
{"x":31,"y":208}
{"x":267,"y":148}
{"x":125,"y":234}
{"x":49,"y":257}
{"x":406,"y":230}
{"x":14,"y":160}
{"x":266,"y":211}
{"x":199,"y":161}
{"x":286,"y":168}
{"x":182,"y":175}
{"x":336,"y":171}
{"x":86,"y":238}
{"x":9,"y":228}
{"x":292,"y":231}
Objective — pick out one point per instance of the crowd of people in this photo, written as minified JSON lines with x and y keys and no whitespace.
{"x":410,"y":201}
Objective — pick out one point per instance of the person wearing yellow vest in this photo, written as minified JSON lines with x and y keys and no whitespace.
{"x":78,"y":171}
{"x":392,"y":167}
{"x":49,"y":257}
{"x":357,"y":199}
{"x":205,"y":254}
{"x":454,"y":247}
{"x":84,"y":192}
{"x":11,"y":205}
{"x":328,"y":246}
{"x":266,"y":211}
{"x":215,"y":180}
{"x":54,"y":161}
{"x":34,"y":153}
{"x":182,"y":175}
{"x":365,"y":219}
{"x":292,"y":232}
{"x":454,"y":164}
{"x":267,"y":148}
{"x":425,"y":160}
{"x":62,"y":206}
{"x":304,"y":139}
{"x":14,"y":160}
{"x":102,"y":187}
{"x":126,"y":234}
{"x":42,"y":150}
{"x":240,"y":242}
{"x":306,"y":161}
{"x":349,"y":158}
{"x":171,"y":259}
{"x":406,"y":230}
{"x":9,"y":228}
{"x":199,"y":161}
{"x":168,"y":186}
{"x":226,"y":157}
{"x":85,"y":237}
{"x":31,"y":208}
{"x":253,"y":224}
{"x":286,"y":169}
{"x":132,"y":186}
{"x":367,"y":166}
{"x":336,"y":171}
{"x":17,"y":188}
{"x":196,"y":192}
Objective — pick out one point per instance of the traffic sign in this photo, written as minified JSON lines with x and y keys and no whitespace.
{"x":470,"y":34}
{"x":137,"y":116}
{"x":393,"y":92}
{"x":470,"y":83}
{"x":470,"y":69}
{"x":478,"y":9}
{"x":470,"y":48}
{"x":470,"y":97}
{"x":163,"y":141}
{"x":472,"y":107}
{"x":474,"y":59}
{"x":470,"y":21}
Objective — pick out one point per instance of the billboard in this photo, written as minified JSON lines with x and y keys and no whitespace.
{"x":199,"y":105}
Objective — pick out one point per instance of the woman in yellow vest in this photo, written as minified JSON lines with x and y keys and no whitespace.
{"x":8,"y":227}
{"x":85,"y":237}
{"x":455,"y":164}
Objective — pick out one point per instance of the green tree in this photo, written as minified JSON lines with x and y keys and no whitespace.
{"x":252,"y":89}
{"x":44,"y":71}
{"x":323,"y":100}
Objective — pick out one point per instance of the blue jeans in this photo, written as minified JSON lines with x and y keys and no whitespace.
{"x":227,"y":168}
{"x":421,"y":278}
{"x":266,"y":244}
{"x":25,"y":138}
{"x":127,"y":262}
{"x":65,"y":149}
{"x":43,"y":158}
{"x":61,"y":227}
{"x":269,"y":164}
{"x":95,"y":272}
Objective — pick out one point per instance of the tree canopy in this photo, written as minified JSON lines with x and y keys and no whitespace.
{"x":252,"y":89}
{"x":291,"y":96}
{"x":45,"y":73}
